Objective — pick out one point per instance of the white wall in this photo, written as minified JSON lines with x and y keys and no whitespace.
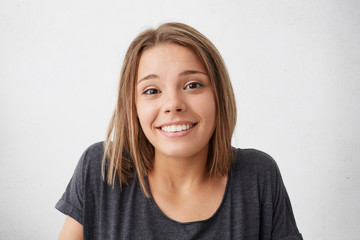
{"x":295,"y":67}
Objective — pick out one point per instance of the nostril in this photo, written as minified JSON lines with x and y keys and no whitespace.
{"x":174,"y":108}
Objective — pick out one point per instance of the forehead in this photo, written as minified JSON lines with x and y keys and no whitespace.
{"x":168,"y":57}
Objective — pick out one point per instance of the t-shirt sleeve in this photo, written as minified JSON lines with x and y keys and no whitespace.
{"x":283,"y":217}
{"x":71,"y":202}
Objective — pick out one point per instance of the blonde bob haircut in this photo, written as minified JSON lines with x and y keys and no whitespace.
{"x":126,"y":147}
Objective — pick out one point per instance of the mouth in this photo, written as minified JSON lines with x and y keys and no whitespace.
{"x":177,"y":127}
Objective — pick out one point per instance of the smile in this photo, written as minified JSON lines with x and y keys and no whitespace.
{"x":177,"y":128}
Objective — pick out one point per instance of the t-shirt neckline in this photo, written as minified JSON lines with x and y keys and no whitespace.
{"x":163,"y":215}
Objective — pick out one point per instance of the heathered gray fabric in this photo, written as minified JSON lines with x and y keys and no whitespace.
{"x":255,"y":204}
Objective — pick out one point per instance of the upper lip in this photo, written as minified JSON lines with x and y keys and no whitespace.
{"x":176,"y":123}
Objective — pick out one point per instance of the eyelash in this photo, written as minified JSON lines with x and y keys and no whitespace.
{"x":198,"y":85}
{"x":147,"y":91}
{"x":152,"y":91}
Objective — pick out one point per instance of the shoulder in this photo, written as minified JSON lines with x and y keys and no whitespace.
{"x":256,"y":173}
{"x":85,"y":179}
{"x":253,"y":159}
{"x":254,"y":166}
{"x":94,"y":167}
{"x":90,"y":163}
{"x":94,"y":151}
{"x":257,"y":187}
{"x":93,"y":155}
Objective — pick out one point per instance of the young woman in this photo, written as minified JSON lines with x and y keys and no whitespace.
{"x":167,"y":169}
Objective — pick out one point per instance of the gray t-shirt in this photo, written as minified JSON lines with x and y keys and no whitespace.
{"x":255,"y":204}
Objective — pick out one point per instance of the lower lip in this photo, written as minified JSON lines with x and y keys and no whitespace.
{"x":177,"y":134}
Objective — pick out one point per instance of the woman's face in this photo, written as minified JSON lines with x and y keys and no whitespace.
{"x":175,"y":101}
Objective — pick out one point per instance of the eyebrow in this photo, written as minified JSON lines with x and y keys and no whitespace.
{"x":151,"y":76}
{"x":182,"y":74}
{"x":189,"y":72}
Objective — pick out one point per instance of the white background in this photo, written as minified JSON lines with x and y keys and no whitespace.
{"x":295,"y":68}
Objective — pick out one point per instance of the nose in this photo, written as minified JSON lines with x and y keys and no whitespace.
{"x":174,"y":103}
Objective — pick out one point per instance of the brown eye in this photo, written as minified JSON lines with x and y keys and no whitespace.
{"x":151,"y":91}
{"x":193,"y":85}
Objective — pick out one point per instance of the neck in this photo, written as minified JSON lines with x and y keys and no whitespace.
{"x":179,"y":174}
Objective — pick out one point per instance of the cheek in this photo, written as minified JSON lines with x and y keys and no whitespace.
{"x":146,"y":115}
{"x":208,"y":108}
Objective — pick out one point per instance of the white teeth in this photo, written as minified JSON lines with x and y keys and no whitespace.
{"x":177,"y":128}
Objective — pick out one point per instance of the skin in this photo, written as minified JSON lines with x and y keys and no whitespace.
{"x":71,"y":230}
{"x":172,"y":88}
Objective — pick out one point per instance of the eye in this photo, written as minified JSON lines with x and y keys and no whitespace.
{"x":151,"y":91}
{"x":193,"y":85}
